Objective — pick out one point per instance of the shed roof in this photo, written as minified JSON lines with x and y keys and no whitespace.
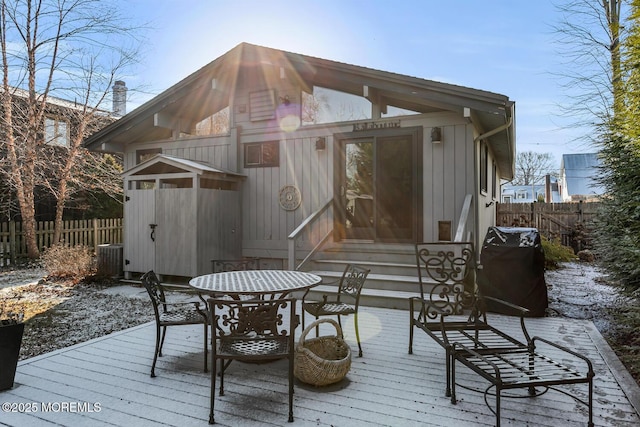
{"x":195,"y":96}
{"x":163,"y":164}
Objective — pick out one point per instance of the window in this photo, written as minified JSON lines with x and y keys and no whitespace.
{"x":215,"y":124}
{"x":328,"y":106}
{"x":56,"y":132}
{"x":148,"y":184}
{"x":521,"y":194}
{"x":506,"y":199}
{"x":171,"y":183}
{"x":265,"y":154}
{"x":494,"y":187}
{"x":484,"y":167}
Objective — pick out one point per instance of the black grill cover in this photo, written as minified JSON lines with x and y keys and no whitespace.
{"x":512,"y":270}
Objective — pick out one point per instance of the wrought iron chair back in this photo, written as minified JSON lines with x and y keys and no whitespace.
{"x":351,"y":283}
{"x":251,"y":330}
{"x":155,"y":290}
{"x":222,"y":265}
{"x":172,"y":314}
{"x":347,"y":300}
{"x":446,"y":272}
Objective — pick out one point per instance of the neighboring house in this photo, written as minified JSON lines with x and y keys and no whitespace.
{"x":233,"y":159}
{"x":578,"y":174}
{"x":531,"y":193}
{"x":58,"y":125}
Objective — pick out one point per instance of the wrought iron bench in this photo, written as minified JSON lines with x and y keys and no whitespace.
{"x":452,"y":311}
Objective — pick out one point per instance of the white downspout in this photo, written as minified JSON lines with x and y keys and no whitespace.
{"x":476,"y":176}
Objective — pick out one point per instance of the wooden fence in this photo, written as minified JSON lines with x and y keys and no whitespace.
{"x":571,"y":223}
{"x":90,"y":232}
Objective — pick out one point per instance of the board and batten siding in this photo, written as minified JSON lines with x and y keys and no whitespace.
{"x":219,"y":232}
{"x":447,"y":170}
{"x":176,"y":249}
{"x":139,"y":212}
{"x":447,"y":178}
{"x":217,"y":151}
{"x":266,"y":224}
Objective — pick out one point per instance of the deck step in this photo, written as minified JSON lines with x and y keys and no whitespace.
{"x":369,"y":297}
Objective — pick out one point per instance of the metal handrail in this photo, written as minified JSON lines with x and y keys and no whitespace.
{"x":303,"y":226}
{"x":464,"y":216}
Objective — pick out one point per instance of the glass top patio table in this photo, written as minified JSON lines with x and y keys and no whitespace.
{"x":273,"y":282}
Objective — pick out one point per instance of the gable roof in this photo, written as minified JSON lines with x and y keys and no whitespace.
{"x":579,"y":172}
{"x":163,"y":164}
{"x":196,"y":96}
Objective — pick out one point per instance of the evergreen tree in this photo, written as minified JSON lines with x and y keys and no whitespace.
{"x":618,"y":228}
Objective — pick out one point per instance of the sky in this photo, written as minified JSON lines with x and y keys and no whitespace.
{"x":504,"y":46}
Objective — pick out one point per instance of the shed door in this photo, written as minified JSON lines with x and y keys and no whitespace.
{"x":176,"y":231}
{"x":140,"y":213}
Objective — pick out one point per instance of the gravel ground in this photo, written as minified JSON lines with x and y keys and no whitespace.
{"x":61,"y":314}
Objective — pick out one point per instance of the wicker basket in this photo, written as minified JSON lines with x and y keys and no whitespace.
{"x":323,"y":360}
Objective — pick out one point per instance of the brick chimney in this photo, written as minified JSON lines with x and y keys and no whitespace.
{"x":119,"y":98}
{"x":547,"y":189}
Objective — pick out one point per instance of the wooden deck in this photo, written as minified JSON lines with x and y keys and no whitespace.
{"x":105,"y":382}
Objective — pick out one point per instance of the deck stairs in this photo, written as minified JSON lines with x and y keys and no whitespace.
{"x":392,"y":280}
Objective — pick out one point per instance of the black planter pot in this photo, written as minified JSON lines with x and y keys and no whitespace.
{"x":10,"y":341}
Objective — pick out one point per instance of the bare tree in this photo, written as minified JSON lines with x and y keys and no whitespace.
{"x":60,"y":49}
{"x":532,"y":167}
{"x":589,"y":35}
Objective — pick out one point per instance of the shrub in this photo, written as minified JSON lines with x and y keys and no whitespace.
{"x":73,"y":262}
{"x":555,"y":253}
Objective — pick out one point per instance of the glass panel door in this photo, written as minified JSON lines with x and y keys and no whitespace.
{"x":376,"y":188}
{"x":358,"y":192}
{"x":395,"y":189}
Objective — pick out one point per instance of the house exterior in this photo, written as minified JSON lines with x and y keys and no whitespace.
{"x":578,"y":174}
{"x":547,"y":192}
{"x":305,"y":153}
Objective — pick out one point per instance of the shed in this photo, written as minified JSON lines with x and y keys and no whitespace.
{"x":180,"y":214}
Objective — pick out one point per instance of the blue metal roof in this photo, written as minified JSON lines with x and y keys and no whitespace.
{"x":580,"y":171}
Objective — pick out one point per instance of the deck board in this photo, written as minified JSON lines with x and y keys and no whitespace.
{"x":386,"y":387}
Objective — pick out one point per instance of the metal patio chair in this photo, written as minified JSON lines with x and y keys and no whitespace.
{"x":244,"y":264}
{"x":452,"y":310}
{"x":222,"y":265}
{"x":346,"y":302}
{"x":173,"y":314}
{"x":446,"y":272}
{"x":251,"y":331}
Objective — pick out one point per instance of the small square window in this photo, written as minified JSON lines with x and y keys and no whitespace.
{"x":56,"y":132}
{"x":264,"y":154}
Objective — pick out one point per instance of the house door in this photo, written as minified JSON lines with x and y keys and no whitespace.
{"x":377,"y":188}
